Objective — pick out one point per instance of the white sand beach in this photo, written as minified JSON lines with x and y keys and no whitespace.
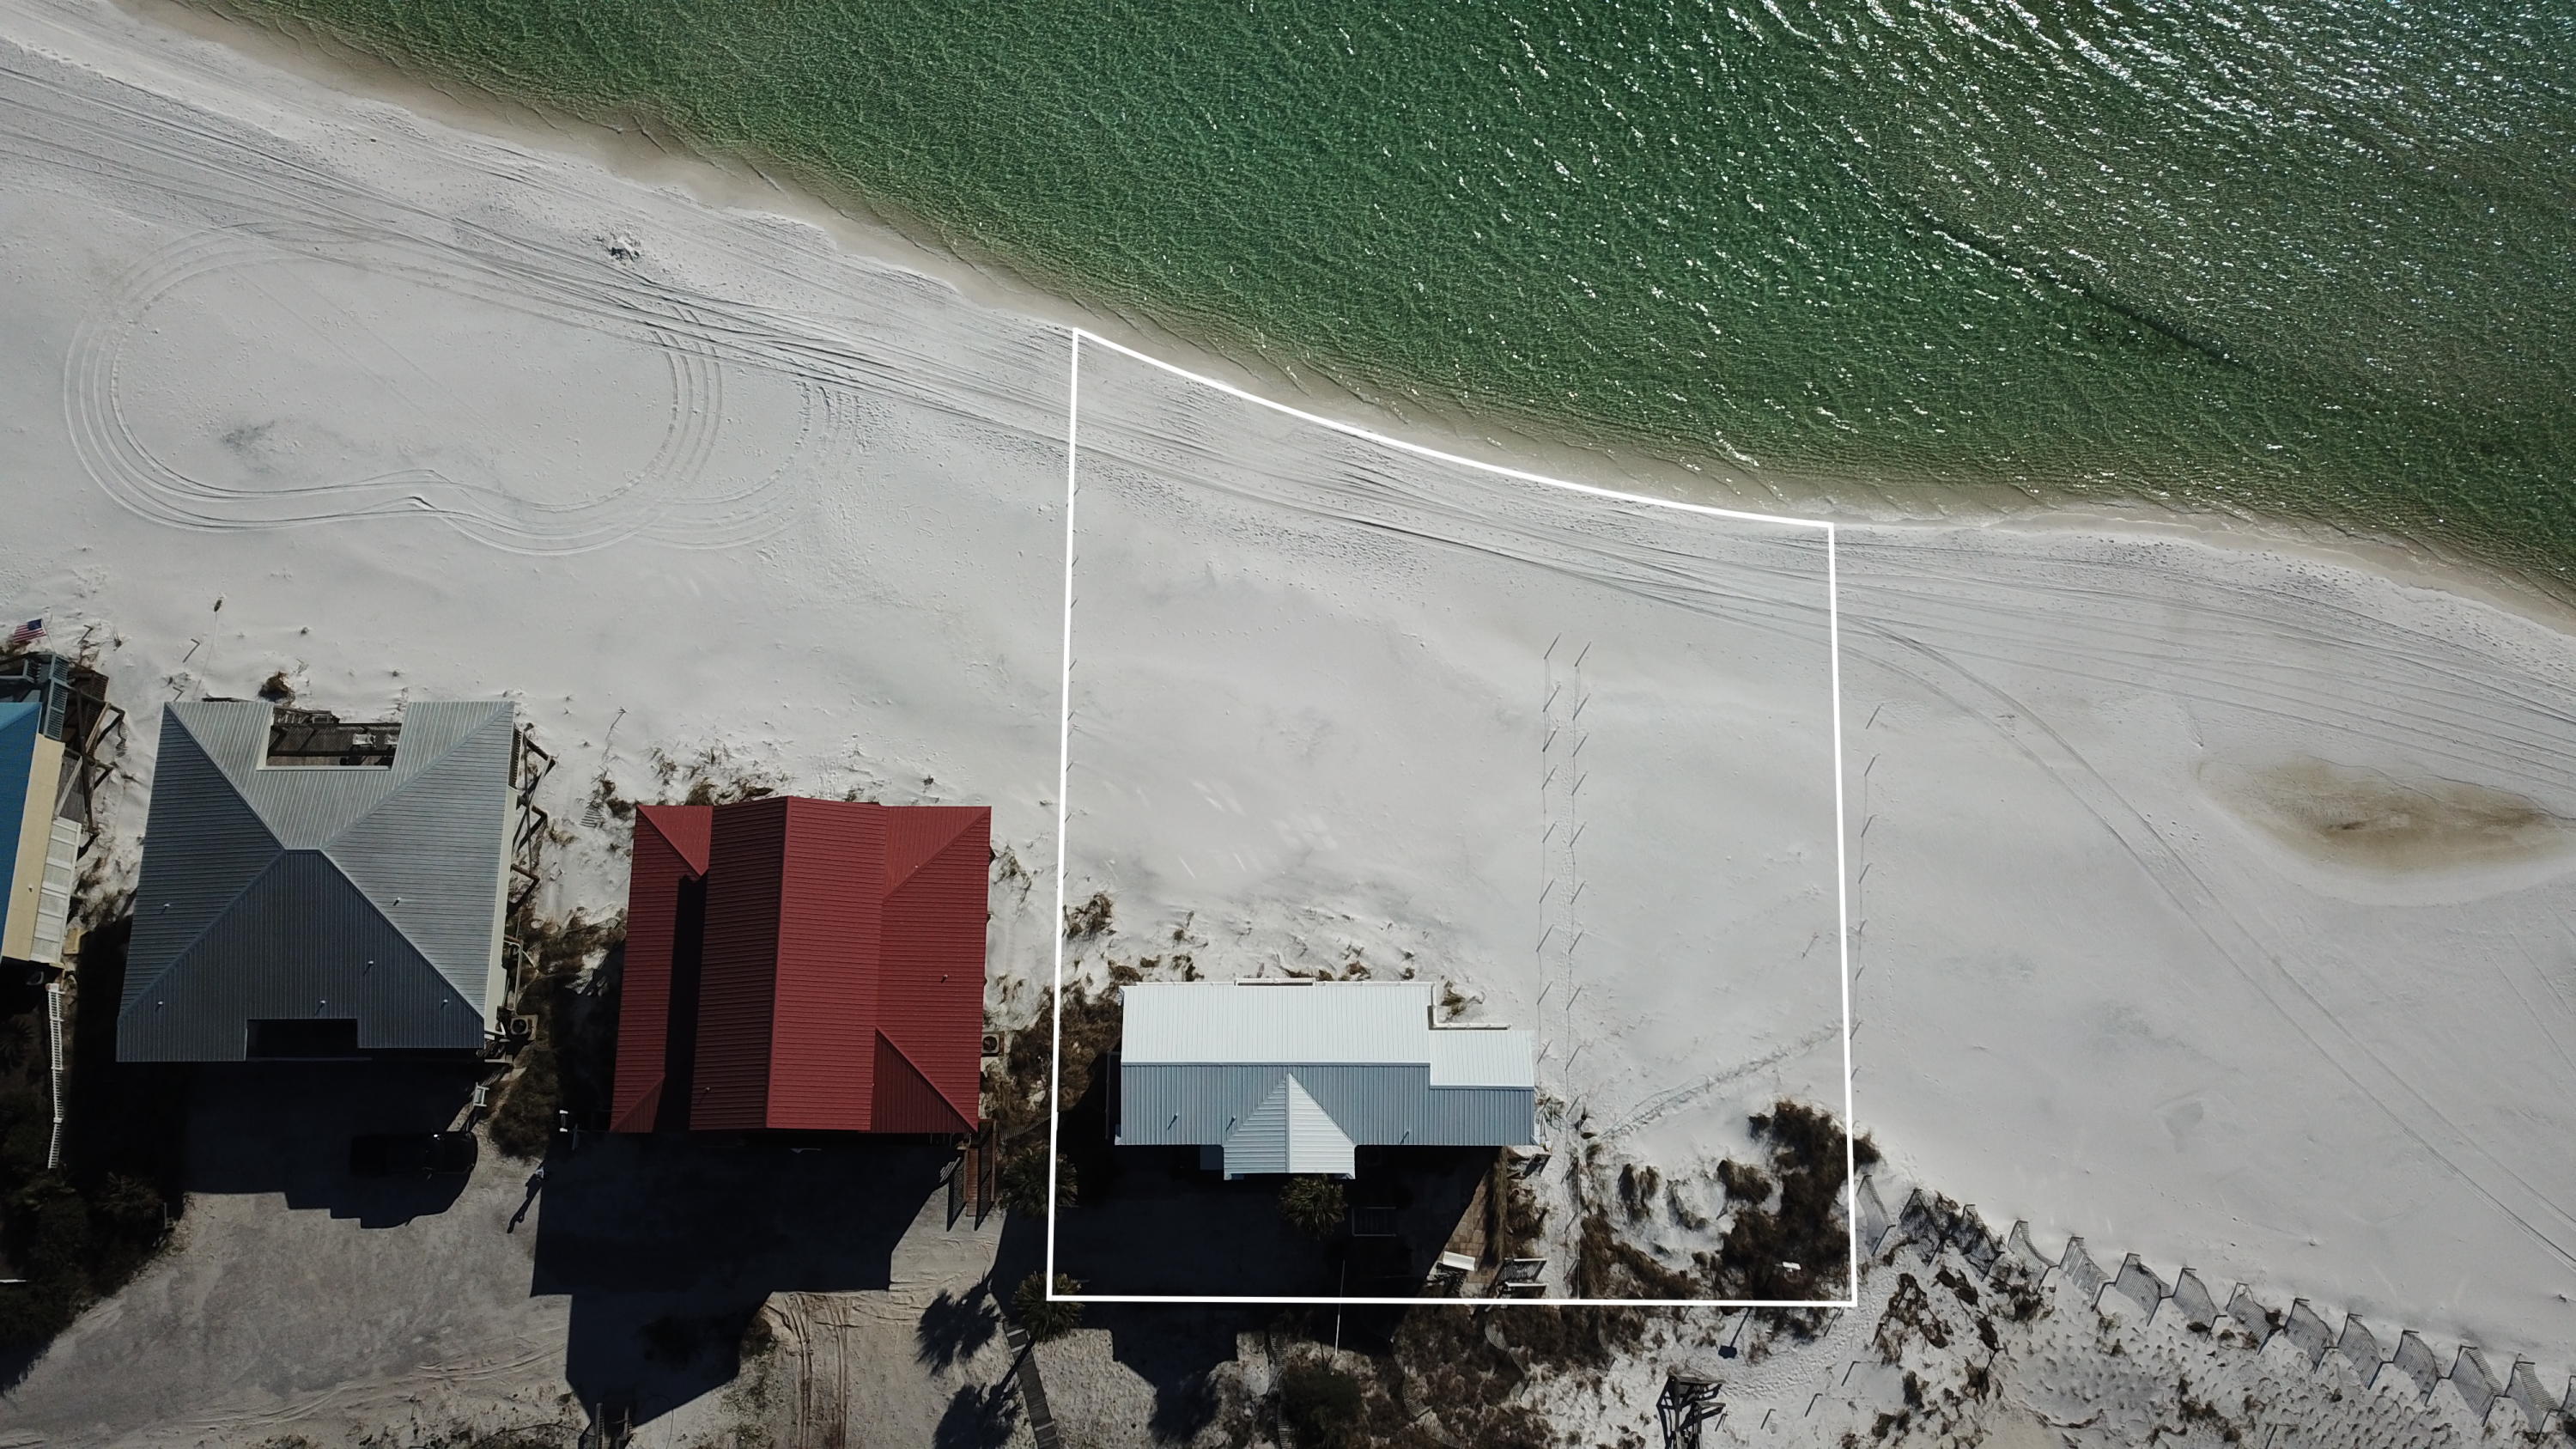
{"x":2206,"y":897}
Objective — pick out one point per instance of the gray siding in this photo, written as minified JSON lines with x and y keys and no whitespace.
{"x":1375,"y":1105}
{"x":1479,"y":1116}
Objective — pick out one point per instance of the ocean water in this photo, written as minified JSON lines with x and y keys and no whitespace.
{"x":2312,"y":259}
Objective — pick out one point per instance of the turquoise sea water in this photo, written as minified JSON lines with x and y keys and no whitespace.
{"x":2310,"y":259}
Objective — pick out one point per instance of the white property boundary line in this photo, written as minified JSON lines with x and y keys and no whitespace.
{"x":1064,"y":775}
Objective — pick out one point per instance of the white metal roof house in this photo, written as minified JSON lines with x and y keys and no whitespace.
{"x":314,"y":888}
{"x":1292,"y":1076}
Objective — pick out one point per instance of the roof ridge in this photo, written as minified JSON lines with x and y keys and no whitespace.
{"x":1278,"y":1093}
{"x":1290,"y":1078}
{"x":406,"y":769}
{"x":135,"y":993}
{"x":417,"y":772}
{"x":499,"y":706}
{"x":962,"y":814}
{"x":647,"y":1108}
{"x":377,"y":910}
{"x":897,"y":1048}
{"x":355,"y":889}
{"x":695,"y":866}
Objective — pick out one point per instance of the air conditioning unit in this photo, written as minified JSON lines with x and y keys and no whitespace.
{"x":994,"y":1044}
{"x":521,"y":1028}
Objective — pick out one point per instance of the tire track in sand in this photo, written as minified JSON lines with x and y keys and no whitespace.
{"x":654,"y":501}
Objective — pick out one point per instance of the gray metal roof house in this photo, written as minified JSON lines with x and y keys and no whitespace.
{"x":312,"y":888}
{"x":1292,"y":1076}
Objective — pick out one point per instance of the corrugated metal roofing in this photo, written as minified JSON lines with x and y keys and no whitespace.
{"x":903,"y":1098}
{"x":1386,"y":1106}
{"x":831,"y":905}
{"x":1288,"y":1132}
{"x":1482,"y":1057}
{"x":841,"y":983}
{"x":17,"y":742}
{"x":738,"y":969}
{"x":324,"y":892}
{"x":1215,"y":1023}
{"x":1201,"y":1060}
{"x":930,"y":956}
{"x":670,"y":851}
{"x":321,"y":950}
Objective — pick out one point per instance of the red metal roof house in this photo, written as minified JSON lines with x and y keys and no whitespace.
{"x":804,"y":964}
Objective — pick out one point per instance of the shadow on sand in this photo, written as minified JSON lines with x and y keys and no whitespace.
{"x":1177,"y":1348}
{"x":978,"y":1417}
{"x":1163,"y":1225}
{"x":668,"y":1244}
{"x":284,"y":1127}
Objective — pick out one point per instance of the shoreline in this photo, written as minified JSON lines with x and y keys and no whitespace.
{"x":888,"y":235}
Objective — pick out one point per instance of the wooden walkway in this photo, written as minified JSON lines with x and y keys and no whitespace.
{"x":1032,"y":1392}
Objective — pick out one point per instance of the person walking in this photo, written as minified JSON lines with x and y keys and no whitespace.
{"x":536,"y":1184}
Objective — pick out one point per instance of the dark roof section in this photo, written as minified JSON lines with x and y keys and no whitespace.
{"x":665,"y":902}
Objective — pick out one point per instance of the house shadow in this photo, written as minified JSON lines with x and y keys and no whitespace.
{"x":284,"y":1127}
{"x":1020,"y":1251}
{"x":1177,"y":1349}
{"x":668,"y":1244}
{"x":1164,"y":1225}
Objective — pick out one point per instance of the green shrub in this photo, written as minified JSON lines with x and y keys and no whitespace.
{"x":525,"y":1122}
{"x":58,"y":1236}
{"x":1313,"y":1205}
{"x":1023,"y":1188}
{"x":1046,"y":1318}
{"x":1320,"y":1405}
{"x":128,"y":1206}
{"x":80,"y":1228}
{"x":26,"y":1131}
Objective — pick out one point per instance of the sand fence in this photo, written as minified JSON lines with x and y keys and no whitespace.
{"x":1929,"y":1224}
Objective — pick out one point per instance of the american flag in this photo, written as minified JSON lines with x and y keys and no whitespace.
{"x":27,"y":634}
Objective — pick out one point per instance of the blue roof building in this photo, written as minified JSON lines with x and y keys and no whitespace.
{"x":49,"y":713}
